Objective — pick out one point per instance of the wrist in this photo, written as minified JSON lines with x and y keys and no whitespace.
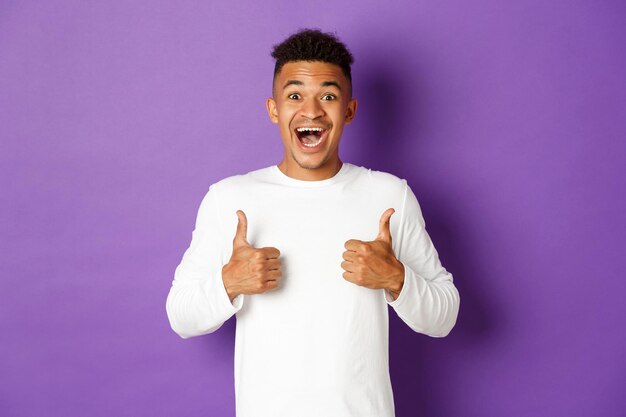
{"x":227,"y":285}
{"x":231,"y":295}
{"x":397,"y":281}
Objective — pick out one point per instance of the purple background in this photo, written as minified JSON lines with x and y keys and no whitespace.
{"x":507,"y":119}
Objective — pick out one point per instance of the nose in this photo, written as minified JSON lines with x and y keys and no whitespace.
{"x":311,"y":108}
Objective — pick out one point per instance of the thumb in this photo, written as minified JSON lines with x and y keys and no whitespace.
{"x":242,"y":230}
{"x":384,"y":233}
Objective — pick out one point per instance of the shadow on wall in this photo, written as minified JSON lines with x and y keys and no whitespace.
{"x":395,"y":120}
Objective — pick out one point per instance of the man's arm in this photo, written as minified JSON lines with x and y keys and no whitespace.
{"x":428,"y":302}
{"x":197,"y":302}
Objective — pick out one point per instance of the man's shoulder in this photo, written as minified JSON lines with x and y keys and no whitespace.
{"x":381,"y":178}
{"x":236,"y":181}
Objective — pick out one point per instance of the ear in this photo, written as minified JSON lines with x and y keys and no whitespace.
{"x":351,"y":111}
{"x":270,"y":104}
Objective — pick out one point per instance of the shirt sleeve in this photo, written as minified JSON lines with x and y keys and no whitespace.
{"x":428,"y":302}
{"x":197,"y":302}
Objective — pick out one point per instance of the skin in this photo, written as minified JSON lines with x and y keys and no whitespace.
{"x":371,"y":264}
{"x":311,"y":104}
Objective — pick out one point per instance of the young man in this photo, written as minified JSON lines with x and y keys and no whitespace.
{"x":308,"y":254}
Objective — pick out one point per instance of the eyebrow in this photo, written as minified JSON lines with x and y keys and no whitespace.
{"x":324,"y":84}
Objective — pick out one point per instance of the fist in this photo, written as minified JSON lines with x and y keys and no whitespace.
{"x":373,"y":264}
{"x":250,"y":270}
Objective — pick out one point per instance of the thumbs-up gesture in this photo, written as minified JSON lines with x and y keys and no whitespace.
{"x":250,"y":270}
{"x":373,"y":264}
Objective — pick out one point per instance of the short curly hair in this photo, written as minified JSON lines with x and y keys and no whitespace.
{"x":313,"y":45}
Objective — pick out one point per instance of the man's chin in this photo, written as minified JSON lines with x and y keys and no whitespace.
{"x":314,"y":161}
{"x":310,"y":165}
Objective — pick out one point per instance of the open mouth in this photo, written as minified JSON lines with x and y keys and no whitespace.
{"x":310,"y":137}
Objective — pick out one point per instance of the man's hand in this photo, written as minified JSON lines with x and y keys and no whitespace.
{"x":250,"y":270}
{"x":373,"y":264}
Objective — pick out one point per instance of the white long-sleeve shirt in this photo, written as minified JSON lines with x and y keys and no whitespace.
{"x":318,"y":344}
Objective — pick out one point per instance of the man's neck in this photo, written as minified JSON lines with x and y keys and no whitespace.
{"x":324,"y":172}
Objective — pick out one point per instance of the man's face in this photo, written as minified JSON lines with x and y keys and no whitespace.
{"x":316,"y":95}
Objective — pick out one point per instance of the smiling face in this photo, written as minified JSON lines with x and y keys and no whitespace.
{"x":311,"y":103}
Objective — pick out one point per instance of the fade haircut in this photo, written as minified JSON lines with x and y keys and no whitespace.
{"x":313,"y":45}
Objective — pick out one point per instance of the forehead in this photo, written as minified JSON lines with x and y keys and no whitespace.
{"x":311,"y":71}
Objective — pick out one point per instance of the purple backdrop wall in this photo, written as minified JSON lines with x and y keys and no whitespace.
{"x":507,"y":119}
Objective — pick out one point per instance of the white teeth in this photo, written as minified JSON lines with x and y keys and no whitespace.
{"x":311,"y":129}
{"x":303,"y":129}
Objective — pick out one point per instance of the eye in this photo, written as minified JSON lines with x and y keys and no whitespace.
{"x":293,"y":94}
{"x":332,"y":96}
